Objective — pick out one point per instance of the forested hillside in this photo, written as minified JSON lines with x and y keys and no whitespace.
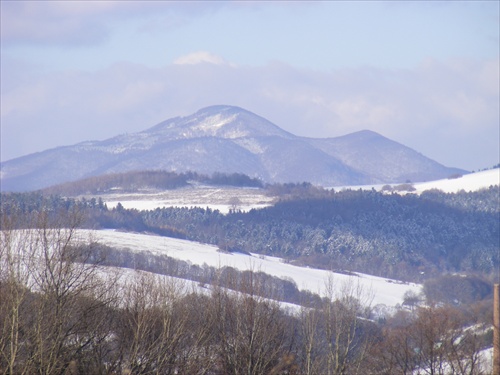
{"x":401,"y":236}
{"x":388,"y":235}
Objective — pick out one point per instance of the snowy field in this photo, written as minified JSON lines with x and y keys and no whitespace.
{"x":216,"y":198}
{"x":376,"y":289}
{"x":468,"y":182}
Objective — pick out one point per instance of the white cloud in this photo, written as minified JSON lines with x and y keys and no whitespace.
{"x":53,"y":22}
{"x":199,"y":58}
{"x":82,"y":22}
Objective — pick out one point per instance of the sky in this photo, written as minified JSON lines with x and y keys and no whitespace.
{"x":422,"y":73}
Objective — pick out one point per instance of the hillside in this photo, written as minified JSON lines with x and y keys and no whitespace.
{"x":407,"y":236}
{"x":228,"y":139}
{"x":470,"y":182}
{"x":383,"y":291}
{"x":380,"y":159}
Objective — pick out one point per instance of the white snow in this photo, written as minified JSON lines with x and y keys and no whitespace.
{"x":468,"y":182}
{"x":219,"y":198}
{"x":215,"y":198}
{"x":251,"y":144}
{"x":384,"y":291}
{"x":216,"y":121}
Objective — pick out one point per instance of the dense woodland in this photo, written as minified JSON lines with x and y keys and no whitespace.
{"x":137,"y":180}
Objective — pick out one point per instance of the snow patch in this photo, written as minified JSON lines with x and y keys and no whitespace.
{"x":212,"y":123}
{"x":468,"y":182}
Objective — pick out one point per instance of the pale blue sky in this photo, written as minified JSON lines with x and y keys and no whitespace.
{"x":318,"y":35}
{"x":422,"y":73}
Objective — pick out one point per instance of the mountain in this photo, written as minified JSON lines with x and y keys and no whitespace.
{"x":228,"y":139}
{"x":382,"y":160}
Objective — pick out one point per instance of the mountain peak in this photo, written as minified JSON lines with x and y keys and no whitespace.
{"x":364,"y":134}
{"x":220,"y":109}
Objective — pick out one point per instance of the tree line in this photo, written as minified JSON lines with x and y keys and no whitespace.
{"x":155,"y":179}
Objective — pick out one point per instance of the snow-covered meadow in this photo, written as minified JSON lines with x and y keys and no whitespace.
{"x":377,"y":290}
{"x":468,"y":182}
{"x":216,"y":198}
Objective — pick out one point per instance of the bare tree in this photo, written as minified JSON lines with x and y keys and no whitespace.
{"x":395,"y":352}
{"x":163,"y":327}
{"x":347,"y":345}
{"x":69,"y":292}
{"x":250,"y":332}
{"x":52,"y":292}
{"x":334,"y":340}
{"x":234,"y":203}
{"x":430,"y":340}
{"x":310,"y":323}
{"x":442,"y":344}
{"x":14,"y":290}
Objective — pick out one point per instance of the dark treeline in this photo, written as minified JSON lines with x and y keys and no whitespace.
{"x":409,"y":237}
{"x":137,"y":180}
{"x":273,"y":287}
{"x":459,"y":290}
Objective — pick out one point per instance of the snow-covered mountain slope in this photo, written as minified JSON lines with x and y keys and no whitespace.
{"x":382,"y":159}
{"x":380,"y":290}
{"x":218,"y":121}
{"x":227,"y":139}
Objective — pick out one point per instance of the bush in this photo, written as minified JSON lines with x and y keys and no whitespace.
{"x":457,"y":289}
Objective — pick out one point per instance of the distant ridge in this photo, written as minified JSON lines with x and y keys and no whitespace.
{"x":228,"y":139}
